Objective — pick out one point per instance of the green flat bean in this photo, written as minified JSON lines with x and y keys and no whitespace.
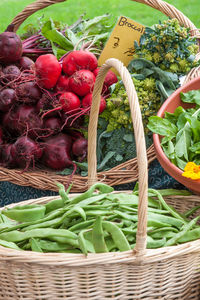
{"x":35,"y":246}
{"x":9,"y":245}
{"x":185,"y":229}
{"x":101,"y":187}
{"x":98,"y":236}
{"x":54,"y":204}
{"x":117,"y":236}
{"x":152,"y":244}
{"x":82,"y":243}
{"x":167,"y":207}
{"x":48,"y":217}
{"x":51,"y":246}
{"x":191,"y":211}
{"x":65,"y":240}
{"x":25,"y":213}
{"x":81,"y":225}
{"x":17,"y":236}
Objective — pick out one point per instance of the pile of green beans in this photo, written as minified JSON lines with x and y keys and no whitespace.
{"x":95,"y":221}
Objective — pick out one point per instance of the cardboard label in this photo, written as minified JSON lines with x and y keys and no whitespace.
{"x":120,"y":44}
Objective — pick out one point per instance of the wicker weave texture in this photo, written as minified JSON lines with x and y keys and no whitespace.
{"x":123,"y":173}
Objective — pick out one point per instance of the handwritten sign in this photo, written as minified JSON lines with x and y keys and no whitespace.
{"x":120,"y":44}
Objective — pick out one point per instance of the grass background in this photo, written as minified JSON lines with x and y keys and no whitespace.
{"x":69,"y":11}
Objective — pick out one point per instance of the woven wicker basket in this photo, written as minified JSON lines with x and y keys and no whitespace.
{"x":121,"y":174}
{"x":164,"y":273}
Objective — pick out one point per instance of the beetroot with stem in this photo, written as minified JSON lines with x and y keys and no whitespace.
{"x":1,"y":136}
{"x":82,"y":82}
{"x":87,"y":102}
{"x":62,"y":84}
{"x":25,"y":63}
{"x":7,"y":159}
{"x":28,"y":92}
{"x":47,"y":70}
{"x":57,"y":152}
{"x":8,"y":98}
{"x":27,"y":121}
{"x":11,"y":73}
{"x":79,"y":148}
{"x":68,"y":102}
{"x":25,"y":151}
{"x":77,"y":60}
{"x":53,"y":125}
{"x":10,"y":47}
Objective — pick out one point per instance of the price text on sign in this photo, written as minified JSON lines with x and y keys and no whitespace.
{"x":120,"y":44}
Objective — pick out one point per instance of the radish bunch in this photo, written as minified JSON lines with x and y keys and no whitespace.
{"x":42,"y":106}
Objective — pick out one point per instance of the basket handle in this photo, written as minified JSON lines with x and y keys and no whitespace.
{"x":166,"y":8}
{"x":139,"y":138}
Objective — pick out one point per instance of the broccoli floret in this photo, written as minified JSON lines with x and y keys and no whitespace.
{"x":169,"y":46}
{"x":122,"y":142}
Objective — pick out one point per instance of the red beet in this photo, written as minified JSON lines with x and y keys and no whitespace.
{"x":25,"y":151}
{"x":25,"y":63}
{"x":28,"y":121}
{"x":82,"y":82}
{"x":87,"y":102}
{"x":53,"y":125}
{"x":79,"y":148}
{"x":48,"y":70}
{"x":78,"y":60}
{"x":10,"y":47}
{"x":11,"y":72}
{"x":62,"y":84}
{"x":7,"y":99}
{"x":28,"y":92}
{"x":57,"y":151}
{"x":7,"y":160}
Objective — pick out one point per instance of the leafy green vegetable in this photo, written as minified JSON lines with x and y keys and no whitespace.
{"x":180,"y":131}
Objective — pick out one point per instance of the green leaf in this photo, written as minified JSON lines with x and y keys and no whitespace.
{"x":162,"y":126}
{"x":51,"y":33}
{"x":128,"y":137}
{"x":119,"y":157}
{"x":191,"y":97}
{"x":180,"y":163}
{"x":107,"y":157}
{"x":183,"y":142}
{"x":71,"y":36}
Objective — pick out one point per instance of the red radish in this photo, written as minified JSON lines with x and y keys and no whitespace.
{"x":28,"y":92}
{"x":25,"y":63}
{"x":25,"y":151}
{"x":79,"y":148}
{"x":77,"y":60}
{"x":48,"y":70}
{"x":110,"y":79}
{"x":69,"y":102}
{"x":82,"y":82}
{"x":62,"y":84}
{"x":57,"y":151}
{"x":10,"y":47}
{"x":87,"y":102}
{"x":7,"y":99}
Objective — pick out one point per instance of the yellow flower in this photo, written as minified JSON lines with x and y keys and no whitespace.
{"x":192,"y":171}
